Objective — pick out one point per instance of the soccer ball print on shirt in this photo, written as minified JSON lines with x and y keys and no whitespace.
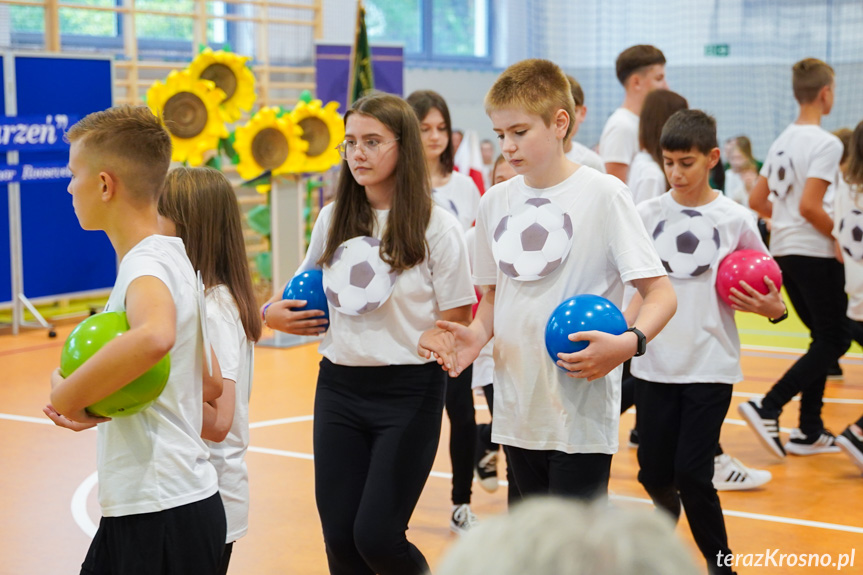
{"x":851,"y":234}
{"x":780,"y":175}
{"x":533,"y":240}
{"x":687,"y":243}
{"x":357,"y":280}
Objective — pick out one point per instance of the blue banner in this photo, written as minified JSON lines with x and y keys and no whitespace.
{"x":37,"y":172}
{"x":43,"y":132}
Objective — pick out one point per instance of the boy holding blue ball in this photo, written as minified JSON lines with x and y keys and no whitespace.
{"x":158,"y":491}
{"x":559,"y":433}
{"x":683,"y":387}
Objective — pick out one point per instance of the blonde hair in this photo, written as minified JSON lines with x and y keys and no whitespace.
{"x":535,"y":86}
{"x":130,"y":142}
{"x":809,"y":76}
{"x":202,"y":204}
{"x":555,"y":536}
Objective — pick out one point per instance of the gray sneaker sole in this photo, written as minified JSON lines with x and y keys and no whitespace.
{"x":756,"y":424}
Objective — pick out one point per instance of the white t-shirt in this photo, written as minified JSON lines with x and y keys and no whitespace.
{"x":646,"y":179}
{"x":735,"y":188}
{"x":460,"y":197}
{"x":156,"y":460}
{"x":389,"y":334}
{"x":799,"y":153}
{"x":848,"y":199}
{"x":537,"y":406}
{"x":236,"y":360}
{"x":700,"y":344}
{"x":483,"y":365}
{"x":619,"y":140}
{"x":581,"y":154}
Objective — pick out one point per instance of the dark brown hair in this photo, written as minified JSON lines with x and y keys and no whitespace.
{"x":403,"y":244}
{"x":635,"y":58}
{"x":809,"y":76}
{"x":576,"y":91}
{"x":854,"y":170}
{"x":659,"y":105}
{"x":423,"y":102}
{"x":130,"y":142}
{"x":688,"y":129}
{"x":203,"y":205}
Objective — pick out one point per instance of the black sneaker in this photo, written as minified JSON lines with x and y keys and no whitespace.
{"x":852,"y":445}
{"x":486,"y":470}
{"x":834,"y":373}
{"x":764,"y":424}
{"x":802,"y":444}
{"x":633,"y":438}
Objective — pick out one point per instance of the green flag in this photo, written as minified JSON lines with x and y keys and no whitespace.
{"x":361,"y":80}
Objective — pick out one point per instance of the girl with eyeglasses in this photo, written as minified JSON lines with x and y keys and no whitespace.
{"x":378,"y":404}
{"x":457,"y":194}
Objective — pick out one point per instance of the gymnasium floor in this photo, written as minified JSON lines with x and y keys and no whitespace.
{"x":48,"y":489}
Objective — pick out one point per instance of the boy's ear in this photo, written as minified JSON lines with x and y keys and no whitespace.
{"x":713,"y":157}
{"x":107,"y":185}
{"x":561,"y":122}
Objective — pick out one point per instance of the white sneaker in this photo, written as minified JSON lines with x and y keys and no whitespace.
{"x":462,"y":519}
{"x":486,"y":471}
{"x":729,"y":474}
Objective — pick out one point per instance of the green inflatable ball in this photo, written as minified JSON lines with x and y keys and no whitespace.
{"x":88,"y":338}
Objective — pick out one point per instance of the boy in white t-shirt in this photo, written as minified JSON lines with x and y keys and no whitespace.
{"x":800,"y":165}
{"x":557,"y":420}
{"x":683,"y":387}
{"x":161,"y":511}
{"x":640,"y":70}
{"x":575,"y":151}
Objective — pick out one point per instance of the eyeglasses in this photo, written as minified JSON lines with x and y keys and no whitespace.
{"x":371,"y":148}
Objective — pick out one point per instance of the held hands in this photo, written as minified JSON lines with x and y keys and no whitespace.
{"x":279,"y":316}
{"x":749,"y":299}
{"x":452,"y":344}
{"x":78,"y":421}
{"x":604,"y":352}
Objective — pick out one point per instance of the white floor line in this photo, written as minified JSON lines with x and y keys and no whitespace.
{"x":797,"y":398}
{"x":79,"y":505}
{"x":25,"y":418}
{"x":271,"y":422}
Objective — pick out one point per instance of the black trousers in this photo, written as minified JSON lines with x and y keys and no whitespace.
{"x":376,"y":432}
{"x":678,"y":432}
{"x":462,"y":434}
{"x":483,"y":432}
{"x":816,"y":287}
{"x":185,"y":539}
{"x":580,"y":475}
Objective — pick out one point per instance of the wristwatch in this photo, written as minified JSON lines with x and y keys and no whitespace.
{"x":780,"y":318}
{"x":642,"y":341}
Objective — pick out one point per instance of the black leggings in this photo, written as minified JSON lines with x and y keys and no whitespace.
{"x":678,"y":432}
{"x":462,"y":426}
{"x":376,"y":432}
{"x":816,"y":287}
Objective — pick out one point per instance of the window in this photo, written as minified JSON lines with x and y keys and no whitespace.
{"x":450,"y":32}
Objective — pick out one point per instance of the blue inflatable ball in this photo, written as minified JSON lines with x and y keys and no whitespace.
{"x":581,"y":313}
{"x":308,"y":286}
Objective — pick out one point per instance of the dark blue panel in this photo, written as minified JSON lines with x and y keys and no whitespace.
{"x":5,"y":262}
{"x":60,"y":257}
{"x":332,"y":69}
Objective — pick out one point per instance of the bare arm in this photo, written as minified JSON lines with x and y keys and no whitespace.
{"x":152,"y":320}
{"x":212,"y":383}
{"x":812,"y":206}
{"x":759,"y":198}
{"x":219,"y":413}
{"x":621,"y":171}
{"x":277,"y":314}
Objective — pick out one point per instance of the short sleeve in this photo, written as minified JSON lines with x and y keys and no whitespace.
{"x":630,"y":249}
{"x":484,"y":266}
{"x":618,"y":144}
{"x":224,"y":337}
{"x":450,"y":268}
{"x":824,"y":164}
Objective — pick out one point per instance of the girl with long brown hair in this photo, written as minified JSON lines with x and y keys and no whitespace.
{"x":378,"y":404}
{"x":199,"y":206}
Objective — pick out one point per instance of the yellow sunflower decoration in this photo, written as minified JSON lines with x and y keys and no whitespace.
{"x":189,"y":109}
{"x":323,"y":128}
{"x":269,"y":142}
{"x":230,"y":73}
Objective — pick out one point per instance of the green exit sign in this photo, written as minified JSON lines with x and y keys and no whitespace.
{"x":716,"y":50}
